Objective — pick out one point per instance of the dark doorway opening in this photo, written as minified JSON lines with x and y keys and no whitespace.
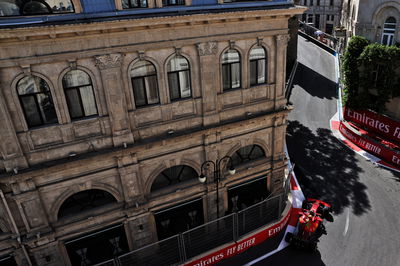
{"x":329,"y":28}
{"x":8,"y":261}
{"x":98,"y":246}
{"x":246,"y":194}
{"x":179,"y":218}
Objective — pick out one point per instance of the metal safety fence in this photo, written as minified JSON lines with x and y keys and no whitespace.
{"x":165,"y":252}
{"x":228,"y":229}
{"x":315,"y":33}
{"x":210,"y":235}
{"x":258,"y":215}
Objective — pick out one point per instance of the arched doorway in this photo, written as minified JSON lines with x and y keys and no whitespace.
{"x":248,"y":193}
{"x":96,"y":246}
{"x":183,"y":216}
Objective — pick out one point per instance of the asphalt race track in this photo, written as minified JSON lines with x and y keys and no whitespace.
{"x":365,"y":198}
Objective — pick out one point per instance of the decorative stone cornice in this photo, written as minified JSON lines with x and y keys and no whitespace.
{"x":208,"y":48}
{"x":108,"y":61}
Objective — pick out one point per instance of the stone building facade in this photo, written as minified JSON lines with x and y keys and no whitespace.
{"x":95,"y":141}
{"x":322,"y":14}
{"x":376,"y":20}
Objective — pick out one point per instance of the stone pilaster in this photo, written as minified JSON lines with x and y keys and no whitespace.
{"x":10,"y":148}
{"x":48,"y":254}
{"x":130,"y":182}
{"x":281,"y":45}
{"x":30,"y":207}
{"x":141,"y":230}
{"x":209,"y":78}
{"x":110,"y":68}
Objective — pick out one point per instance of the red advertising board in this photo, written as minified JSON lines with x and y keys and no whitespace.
{"x":381,"y":125}
{"x":242,"y":245}
{"x":376,"y":148}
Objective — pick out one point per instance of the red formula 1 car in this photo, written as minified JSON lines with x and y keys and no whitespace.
{"x":310,"y":224}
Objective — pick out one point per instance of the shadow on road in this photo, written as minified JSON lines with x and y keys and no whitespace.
{"x":312,"y":82}
{"x":326,"y":169}
{"x":291,"y":256}
{"x":397,"y":175}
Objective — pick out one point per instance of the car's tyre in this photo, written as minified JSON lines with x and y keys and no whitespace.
{"x":289,"y":237}
{"x":329,"y":217}
{"x":326,"y":214}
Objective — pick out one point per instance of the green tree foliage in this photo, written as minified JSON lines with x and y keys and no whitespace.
{"x":350,"y":72}
{"x":371,"y":74}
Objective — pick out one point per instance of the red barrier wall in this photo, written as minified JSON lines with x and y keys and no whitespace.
{"x":374,"y":147}
{"x":243,"y":245}
{"x":381,"y":125}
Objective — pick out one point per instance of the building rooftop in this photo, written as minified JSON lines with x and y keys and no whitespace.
{"x":102,"y":11}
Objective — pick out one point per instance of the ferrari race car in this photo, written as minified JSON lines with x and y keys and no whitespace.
{"x":310,"y":224}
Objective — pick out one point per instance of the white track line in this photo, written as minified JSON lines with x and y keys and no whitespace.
{"x":346,"y":227}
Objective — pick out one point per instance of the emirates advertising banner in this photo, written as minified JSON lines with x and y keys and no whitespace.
{"x":242,"y":245}
{"x":382,"y":125}
{"x":381,"y":151}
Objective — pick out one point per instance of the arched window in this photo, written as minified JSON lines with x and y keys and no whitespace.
{"x":179,"y":78}
{"x":175,"y":175}
{"x":79,"y":94}
{"x":389,"y":29}
{"x":231,"y":69}
{"x":36,"y":101}
{"x":247,"y":154}
{"x":258,"y":66}
{"x":85,"y":201}
{"x":34,"y":7}
{"x":144,"y":82}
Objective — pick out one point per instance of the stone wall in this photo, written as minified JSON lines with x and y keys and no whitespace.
{"x":124,"y":148}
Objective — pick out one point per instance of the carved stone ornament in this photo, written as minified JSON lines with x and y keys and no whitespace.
{"x":26,"y":69}
{"x":208,"y":48}
{"x":72,"y":64}
{"x":108,"y":61}
{"x":178,"y":51}
{"x":259,"y":41}
{"x":141,"y":55}
{"x":282,"y":39}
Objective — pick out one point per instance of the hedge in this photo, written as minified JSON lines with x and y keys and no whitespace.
{"x":371,"y":74}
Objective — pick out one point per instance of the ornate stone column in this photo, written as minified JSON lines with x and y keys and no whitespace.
{"x":281,"y":45}
{"x":110,"y":68}
{"x":209,"y":81}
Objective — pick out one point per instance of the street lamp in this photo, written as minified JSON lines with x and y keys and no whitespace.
{"x":217,"y":174}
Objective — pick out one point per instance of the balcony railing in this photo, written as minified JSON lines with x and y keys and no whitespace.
{"x":228,"y":229}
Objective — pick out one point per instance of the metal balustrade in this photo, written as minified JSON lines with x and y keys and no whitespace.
{"x":208,"y":236}
{"x":228,"y":229}
{"x":258,"y":215}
